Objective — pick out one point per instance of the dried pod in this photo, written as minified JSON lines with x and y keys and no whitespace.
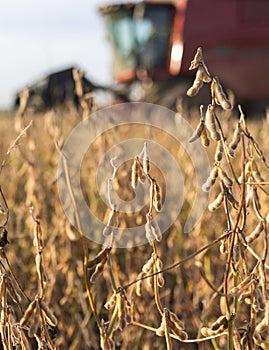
{"x":202,"y":75}
{"x":195,"y":88}
{"x":39,"y":263}
{"x":160,"y":280}
{"x":211,"y":179}
{"x":198,"y":131}
{"x":208,"y":332}
{"x":246,"y":296}
{"x":242,"y":285}
{"x":145,"y":159}
{"x":207,"y":78}
{"x":257,"y":176}
{"x":149,"y":285}
{"x":12,"y":291}
{"x":231,"y":152}
{"x":248,"y":168}
{"x":214,"y":173}
{"x":228,"y":182}
{"x":125,"y":296}
{"x":161,"y":330}
{"x":167,"y":328}
{"x":111,"y":302}
{"x":236,"y":137}
{"x":98,"y":258}
{"x":40,"y":268}
{"x":192,"y":91}
{"x":219,"y":152}
{"x":224,"y":102}
{"x":138,"y":289}
{"x":182,"y":335}
{"x":38,"y":240}
{"x":108,"y":229}
{"x":223,"y":246}
{"x":220,"y":97}
{"x":158,"y":264}
{"x":256,"y":233}
{"x":205,"y":74}
{"x":260,"y":153}
{"x":130,"y":312}
{"x":198,"y":59}
{"x":217,"y":202}
{"x":256,"y":173}
{"x":147,"y":267}
{"x":221,"y":321}
{"x":210,"y":122}
{"x":112,"y":223}
{"x":264,"y":344}
{"x":71,"y":232}
{"x":122,"y":312}
{"x":98,"y":271}
{"x":249,"y":195}
{"x":256,"y":200}
{"x":232,"y":200}
{"x":141,"y":176}
{"x":28,"y":313}
{"x":149,"y":232}
{"x":157,"y":198}
{"x":135,"y":173}
{"x":174,"y":319}
{"x":204,"y":138}
{"x":156,"y":230}
{"x":35,"y":321}
{"x":51,"y":319}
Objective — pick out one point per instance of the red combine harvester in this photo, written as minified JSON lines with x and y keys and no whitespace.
{"x":153,"y":43}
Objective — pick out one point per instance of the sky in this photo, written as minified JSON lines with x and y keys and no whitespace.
{"x":38,"y":37}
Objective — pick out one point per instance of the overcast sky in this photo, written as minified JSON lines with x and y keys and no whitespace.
{"x":40,"y":36}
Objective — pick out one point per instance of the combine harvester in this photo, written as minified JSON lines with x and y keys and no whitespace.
{"x":153,"y":43}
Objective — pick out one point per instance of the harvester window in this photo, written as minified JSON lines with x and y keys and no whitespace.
{"x":140,"y":42}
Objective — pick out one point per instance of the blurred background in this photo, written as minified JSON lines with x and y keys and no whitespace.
{"x":139,"y":51}
{"x":133,"y":51}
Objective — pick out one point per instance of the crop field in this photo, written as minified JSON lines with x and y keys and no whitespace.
{"x":135,"y":282}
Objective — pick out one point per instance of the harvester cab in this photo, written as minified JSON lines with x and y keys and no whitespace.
{"x":147,"y":46}
{"x":145,"y":38}
{"x":147,"y":42}
{"x":153,"y":43}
